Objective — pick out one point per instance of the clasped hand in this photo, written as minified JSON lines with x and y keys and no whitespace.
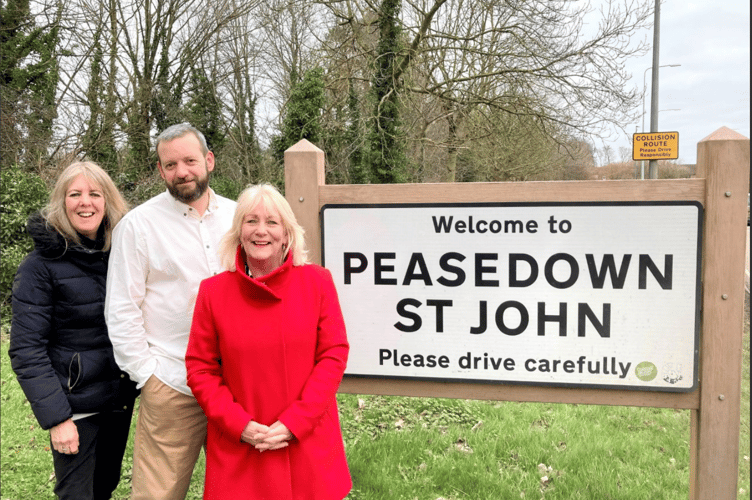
{"x":262,"y":437}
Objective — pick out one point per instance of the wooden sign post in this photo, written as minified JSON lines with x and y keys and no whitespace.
{"x":713,"y":394}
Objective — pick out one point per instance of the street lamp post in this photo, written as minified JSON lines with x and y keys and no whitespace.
{"x":644,"y":91}
{"x":654,"y":87}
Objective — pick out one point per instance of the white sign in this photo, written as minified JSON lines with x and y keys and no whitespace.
{"x":565,"y":294}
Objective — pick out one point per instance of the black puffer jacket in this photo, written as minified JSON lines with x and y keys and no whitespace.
{"x":59,"y":347}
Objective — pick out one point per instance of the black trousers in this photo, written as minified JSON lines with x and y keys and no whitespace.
{"x":94,"y":472}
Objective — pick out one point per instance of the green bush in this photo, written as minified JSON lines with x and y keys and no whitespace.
{"x":137,"y":190}
{"x":224,"y":186}
{"x":21,"y":193}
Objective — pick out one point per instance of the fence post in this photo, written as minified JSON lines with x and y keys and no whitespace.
{"x":723,"y":160}
{"x":304,"y":173}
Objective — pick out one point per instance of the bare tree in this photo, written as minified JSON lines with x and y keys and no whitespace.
{"x":148,"y":50}
{"x":292,"y":30}
{"x":242,"y":57}
{"x":539,"y":59}
{"x":516,"y":78}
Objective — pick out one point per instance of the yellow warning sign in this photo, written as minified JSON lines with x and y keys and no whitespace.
{"x":655,"y":146}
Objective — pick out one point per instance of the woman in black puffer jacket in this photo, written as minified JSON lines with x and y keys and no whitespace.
{"x":59,"y":347}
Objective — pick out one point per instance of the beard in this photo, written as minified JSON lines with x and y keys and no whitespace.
{"x":187,"y":196}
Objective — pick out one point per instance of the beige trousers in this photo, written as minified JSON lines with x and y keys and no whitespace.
{"x":170,"y":432}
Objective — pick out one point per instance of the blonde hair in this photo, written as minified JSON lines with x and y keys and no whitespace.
{"x":271,"y":198}
{"x":115,"y":205}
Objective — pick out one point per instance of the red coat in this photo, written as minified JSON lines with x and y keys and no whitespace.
{"x":266,"y":350}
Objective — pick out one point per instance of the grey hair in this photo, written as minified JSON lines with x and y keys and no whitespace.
{"x":179,"y":130}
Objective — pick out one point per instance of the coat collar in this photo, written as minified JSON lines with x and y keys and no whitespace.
{"x":268,"y":286}
{"x":51,"y":244}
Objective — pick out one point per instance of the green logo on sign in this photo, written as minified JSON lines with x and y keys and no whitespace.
{"x":646,"y":371}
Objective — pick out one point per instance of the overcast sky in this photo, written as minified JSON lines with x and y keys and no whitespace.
{"x":711,"y":41}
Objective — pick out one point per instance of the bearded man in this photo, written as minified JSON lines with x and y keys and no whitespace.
{"x":161,"y":251}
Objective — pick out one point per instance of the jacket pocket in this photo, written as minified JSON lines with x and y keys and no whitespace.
{"x":75,"y":371}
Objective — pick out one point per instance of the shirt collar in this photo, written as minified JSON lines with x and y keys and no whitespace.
{"x":188,"y":211}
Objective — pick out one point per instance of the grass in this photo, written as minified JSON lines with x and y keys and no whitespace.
{"x":431,"y":449}
{"x":511,"y":450}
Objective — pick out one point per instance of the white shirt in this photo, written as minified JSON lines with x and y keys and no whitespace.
{"x":161,"y":250}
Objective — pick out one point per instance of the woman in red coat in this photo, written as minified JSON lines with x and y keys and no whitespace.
{"x":266,"y":355}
